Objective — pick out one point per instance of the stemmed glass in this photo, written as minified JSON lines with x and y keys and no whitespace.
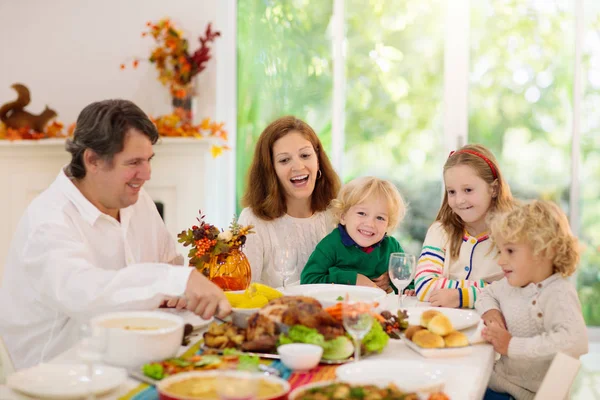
{"x":358,"y":320}
{"x":286,"y":260}
{"x":402,"y":271}
{"x":90,"y":350}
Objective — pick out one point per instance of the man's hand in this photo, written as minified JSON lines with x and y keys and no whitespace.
{"x":362,"y":280}
{"x":205,"y":298}
{"x":493,"y":316}
{"x":175,"y":302}
{"x":498,"y":337}
{"x":383,"y":282}
{"x":445,"y":298}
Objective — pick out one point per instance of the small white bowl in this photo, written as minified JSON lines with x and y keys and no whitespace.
{"x":300,"y":356}
{"x":158,"y":337}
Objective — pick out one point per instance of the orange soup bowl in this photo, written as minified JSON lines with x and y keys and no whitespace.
{"x":210,"y":385}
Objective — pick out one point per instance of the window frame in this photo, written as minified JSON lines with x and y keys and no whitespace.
{"x":456,"y":112}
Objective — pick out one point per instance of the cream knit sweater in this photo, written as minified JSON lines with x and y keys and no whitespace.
{"x":543,"y":319}
{"x":303,"y":234}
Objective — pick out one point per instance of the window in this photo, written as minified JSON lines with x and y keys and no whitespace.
{"x":394,"y":94}
{"x":284,"y":67}
{"x":520,"y":97}
{"x":520,"y":92}
{"x":589,"y":272}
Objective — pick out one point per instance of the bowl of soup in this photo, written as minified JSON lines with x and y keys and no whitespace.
{"x":222,"y":384}
{"x":134,"y":338}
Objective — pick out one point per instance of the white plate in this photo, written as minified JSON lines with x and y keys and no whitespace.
{"x":248,"y":311}
{"x":409,"y":376}
{"x":328,"y":293}
{"x":65,"y":381}
{"x":438,"y":353}
{"x":460,"y":319}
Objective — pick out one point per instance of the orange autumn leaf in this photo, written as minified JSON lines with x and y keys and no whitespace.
{"x":216,"y":127}
{"x":216,"y":151}
{"x":205,"y":124}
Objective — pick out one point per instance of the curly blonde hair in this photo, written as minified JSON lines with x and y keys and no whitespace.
{"x":358,"y":190}
{"x":544,"y":226}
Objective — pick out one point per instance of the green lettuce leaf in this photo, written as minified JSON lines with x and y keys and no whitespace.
{"x":338,"y":348}
{"x":376,"y":340}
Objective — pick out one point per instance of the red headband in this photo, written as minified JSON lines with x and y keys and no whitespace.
{"x":484,"y":158}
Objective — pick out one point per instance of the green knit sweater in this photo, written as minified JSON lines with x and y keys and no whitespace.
{"x":333,"y":262}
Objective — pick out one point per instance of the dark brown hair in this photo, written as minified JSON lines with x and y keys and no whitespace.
{"x":502,"y":200}
{"x":102,"y":127}
{"x":264,"y":194}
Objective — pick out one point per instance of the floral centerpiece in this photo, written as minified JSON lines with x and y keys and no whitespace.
{"x":217,"y":254}
{"x":177,"y":66}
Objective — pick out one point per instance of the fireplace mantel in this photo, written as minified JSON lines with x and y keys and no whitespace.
{"x":185,"y":178}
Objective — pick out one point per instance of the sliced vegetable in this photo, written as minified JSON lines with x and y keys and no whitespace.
{"x":154,"y":371}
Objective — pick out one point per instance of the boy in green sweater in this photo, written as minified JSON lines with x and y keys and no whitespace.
{"x":358,"y":251}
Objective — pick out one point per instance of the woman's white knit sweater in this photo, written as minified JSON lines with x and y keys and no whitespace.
{"x":302,"y":234}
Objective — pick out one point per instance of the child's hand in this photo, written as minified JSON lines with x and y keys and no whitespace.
{"x":445,"y":298}
{"x":498,"y":337}
{"x":494,"y":316}
{"x":383,"y":282}
{"x":362,"y":280}
{"x":410,"y":292}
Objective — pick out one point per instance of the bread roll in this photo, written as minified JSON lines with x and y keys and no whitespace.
{"x":456,"y":339}
{"x":441,"y":325}
{"x":411,"y":330}
{"x":427,"y":316}
{"x":428,"y":340}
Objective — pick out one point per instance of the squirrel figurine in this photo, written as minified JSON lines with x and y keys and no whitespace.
{"x":14,"y":116}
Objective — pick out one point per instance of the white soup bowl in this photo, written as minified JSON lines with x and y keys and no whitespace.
{"x":134,"y":338}
{"x":300,"y":356}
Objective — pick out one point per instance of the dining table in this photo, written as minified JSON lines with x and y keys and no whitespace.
{"x":467,"y":381}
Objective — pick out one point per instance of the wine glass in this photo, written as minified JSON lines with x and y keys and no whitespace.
{"x":402,"y":271}
{"x":358,"y":320}
{"x":90,"y":350}
{"x":285,"y":262}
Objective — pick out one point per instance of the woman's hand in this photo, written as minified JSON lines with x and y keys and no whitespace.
{"x":383,"y":282}
{"x":498,"y":337}
{"x":362,"y":280}
{"x":445,"y":298}
{"x":493,"y":316}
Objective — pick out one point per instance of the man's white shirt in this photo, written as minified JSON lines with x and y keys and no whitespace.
{"x":69,"y":262}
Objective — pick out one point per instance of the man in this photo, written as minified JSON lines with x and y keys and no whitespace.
{"x":94,"y":242}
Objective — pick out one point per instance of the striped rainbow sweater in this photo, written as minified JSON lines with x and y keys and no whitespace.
{"x":475,"y":267}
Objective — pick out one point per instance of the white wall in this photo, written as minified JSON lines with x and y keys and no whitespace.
{"x":68,"y":52}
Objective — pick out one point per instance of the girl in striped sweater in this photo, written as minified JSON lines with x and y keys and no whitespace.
{"x":458,"y":257}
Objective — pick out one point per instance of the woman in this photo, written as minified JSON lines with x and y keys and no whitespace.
{"x":290,"y":184}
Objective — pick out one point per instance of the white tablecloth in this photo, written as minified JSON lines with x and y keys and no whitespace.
{"x":468,"y":382}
